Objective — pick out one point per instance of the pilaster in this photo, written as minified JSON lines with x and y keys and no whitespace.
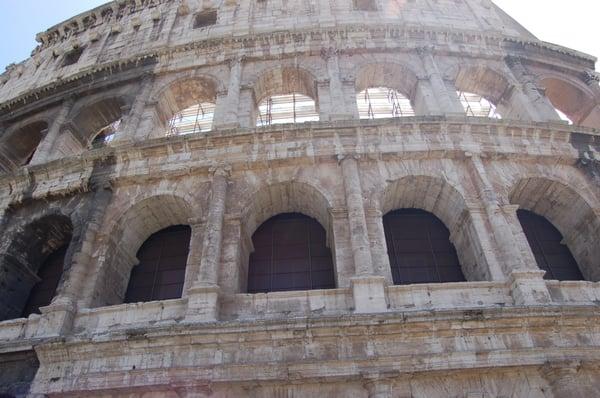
{"x":339,"y":102}
{"x":368,"y":289}
{"x":44,"y":150}
{"x":226,"y":112}
{"x":448,"y":101}
{"x":134,"y":114}
{"x":203,"y":296}
{"x":536,"y":97}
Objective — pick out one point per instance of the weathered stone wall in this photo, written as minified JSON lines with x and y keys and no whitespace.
{"x":506,"y":332}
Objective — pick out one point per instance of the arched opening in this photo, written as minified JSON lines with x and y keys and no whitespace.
{"x":290,"y":253}
{"x":32,"y":264}
{"x":546,"y":243}
{"x":571,"y":102}
{"x":568,"y":213}
{"x":485,"y":92}
{"x":419,"y":248}
{"x":197,"y":118}
{"x":284,"y":109}
{"x":477,"y":106}
{"x":385,"y":90}
{"x":435,"y":197}
{"x":123,"y":252}
{"x":19,"y":146}
{"x":187,"y":106}
{"x":96,"y":124}
{"x":43,"y":292}
{"x":383,"y":102}
{"x":160,"y":273}
{"x":285,"y":95}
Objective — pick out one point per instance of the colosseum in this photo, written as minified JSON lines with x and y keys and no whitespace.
{"x":298,"y":199}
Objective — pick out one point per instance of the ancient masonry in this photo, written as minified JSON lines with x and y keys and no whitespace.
{"x":299,"y":198}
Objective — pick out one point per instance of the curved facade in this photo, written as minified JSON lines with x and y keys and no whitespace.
{"x":398,"y":142}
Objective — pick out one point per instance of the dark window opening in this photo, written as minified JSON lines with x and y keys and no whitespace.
{"x":161,"y":272}
{"x":420,"y":249}
{"x":204,"y":19}
{"x":43,"y":292}
{"x":546,"y":244}
{"x":73,"y":56}
{"x":365,"y":5}
{"x":290,"y":253}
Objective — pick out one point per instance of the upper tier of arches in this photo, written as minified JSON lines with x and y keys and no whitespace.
{"x":311,"y":89}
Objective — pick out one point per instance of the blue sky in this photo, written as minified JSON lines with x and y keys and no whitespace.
{"x":575,"y":25}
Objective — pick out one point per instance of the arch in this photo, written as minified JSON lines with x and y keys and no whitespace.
{"x":284,"y":197}
{"x":419,"y":248}
{"x":487,"y":92}
{"x":484,"y":81}
{"x":24,"y":255}
{"x":160,"y":273}
{"x":183,"y":93}
{"x":390,"y":75}
{"x":569,"y":212}
{"x":19,"y":145}
{"x":290,"y":253}
{"x":437,"y":196}
{"x":92,"y":119}
{"x":127,"y":234}
{"x":574,"y":100}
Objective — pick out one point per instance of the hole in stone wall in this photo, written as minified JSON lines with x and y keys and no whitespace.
{"x":288,"y":108}
{"x":72,"y":57}
{"x":195,"y":119}
{"x":477,"y":106}
{"x":383,"y":102}
{"x":205,"y":18}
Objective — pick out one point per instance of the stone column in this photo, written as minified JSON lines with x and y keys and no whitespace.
{"x":543,"y":110}
{"x":44,"y":150}
{"x":131,"y":122}
{"x":203,"y":295}
{"x":448,"y":101}
{"x":425,"y":103}
{"x":525,"y":278}
{"x":248,"y":109}
{"x":339,"y":102}
{"x":368,"y":290}
{"x":563,"y":378}
{"x":226,"y":112}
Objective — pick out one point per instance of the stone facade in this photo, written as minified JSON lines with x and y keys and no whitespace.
{"x":506,"y":332}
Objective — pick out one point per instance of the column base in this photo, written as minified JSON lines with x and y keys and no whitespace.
{"x":57,"y":318}
{"x":203,"y":304}
{"x":529,"y":288}
{"x":369,"y":294}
